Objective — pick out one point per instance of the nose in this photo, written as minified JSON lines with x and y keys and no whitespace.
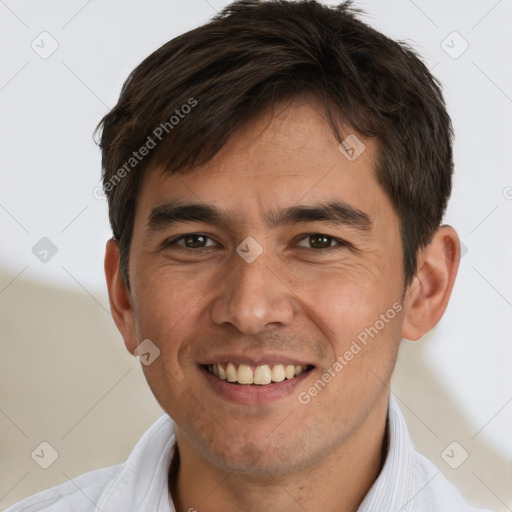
{"x":253,"y":297}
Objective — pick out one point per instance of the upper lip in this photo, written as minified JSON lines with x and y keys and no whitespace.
{"x":254,"y":359}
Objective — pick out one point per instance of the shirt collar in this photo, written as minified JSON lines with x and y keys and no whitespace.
{"x":394,"y":487}
{"x":142,"y":483}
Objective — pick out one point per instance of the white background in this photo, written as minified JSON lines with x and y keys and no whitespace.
{"x":55,"y":322}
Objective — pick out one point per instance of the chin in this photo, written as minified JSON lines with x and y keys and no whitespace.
{"x":259,"y":460}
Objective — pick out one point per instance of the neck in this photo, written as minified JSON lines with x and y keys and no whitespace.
{"x":337,"y":483}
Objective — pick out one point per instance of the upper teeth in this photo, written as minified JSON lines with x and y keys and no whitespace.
{"x":262,"y":375}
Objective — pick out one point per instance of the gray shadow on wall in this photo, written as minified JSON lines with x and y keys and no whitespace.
{"x":436,"y":420}
{"x":67,"y":379}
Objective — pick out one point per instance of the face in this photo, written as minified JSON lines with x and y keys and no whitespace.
{"x":289,"y":270}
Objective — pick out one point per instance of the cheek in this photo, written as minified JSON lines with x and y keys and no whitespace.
{"x":165,"y":298}
{"x":342,"y":300}
{"x":164,"y":308}
{"x":166,"y":305}
{"x":361,"y":319}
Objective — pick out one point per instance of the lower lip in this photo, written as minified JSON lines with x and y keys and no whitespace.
{"x":254,"y":394}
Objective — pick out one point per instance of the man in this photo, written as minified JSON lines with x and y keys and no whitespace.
{"x":276,"y":182}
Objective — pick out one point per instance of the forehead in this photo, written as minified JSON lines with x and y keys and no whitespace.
{"x":279,"y":158}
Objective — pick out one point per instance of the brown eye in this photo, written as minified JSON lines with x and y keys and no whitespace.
{"x":192,"y":241}
{"x":320,"y":241}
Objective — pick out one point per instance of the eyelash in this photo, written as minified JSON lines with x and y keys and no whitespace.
{"x":341,"y":243}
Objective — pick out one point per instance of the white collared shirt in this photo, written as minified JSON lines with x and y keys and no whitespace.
{"x":408,"y":482}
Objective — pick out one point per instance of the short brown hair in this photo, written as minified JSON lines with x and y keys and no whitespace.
{"x":250,"y":56}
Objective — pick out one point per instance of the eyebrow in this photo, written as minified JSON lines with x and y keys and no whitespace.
{"x":335,"y":212}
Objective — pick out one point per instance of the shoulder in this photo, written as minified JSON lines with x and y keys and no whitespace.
{"x":440,"y":494}
{"x":409,"y":481}
{"x":142,"y":478}
{"x":78,"y":494}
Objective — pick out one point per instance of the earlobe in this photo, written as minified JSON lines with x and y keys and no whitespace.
{"x":428,"y":294}
{"x":119,"y":296}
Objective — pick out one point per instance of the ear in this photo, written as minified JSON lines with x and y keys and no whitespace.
{"x":119,"y":296}
{"x":428,"y":294}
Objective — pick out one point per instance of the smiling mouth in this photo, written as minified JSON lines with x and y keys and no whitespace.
{"x":262,"y":375}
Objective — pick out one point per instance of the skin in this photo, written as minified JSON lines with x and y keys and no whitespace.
{"x":294,"y":299}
